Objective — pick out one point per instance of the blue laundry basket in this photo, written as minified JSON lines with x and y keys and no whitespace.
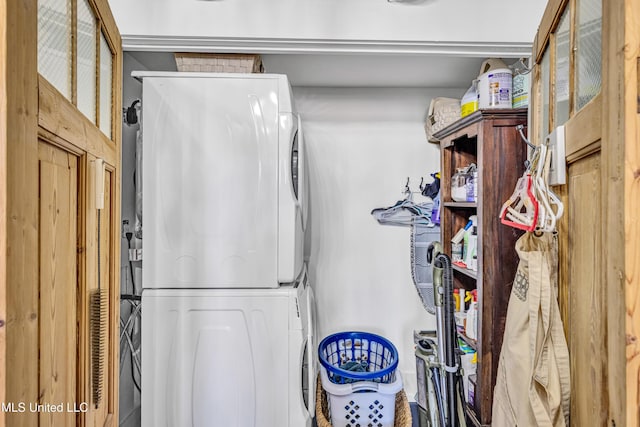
{"x":376,"y":358}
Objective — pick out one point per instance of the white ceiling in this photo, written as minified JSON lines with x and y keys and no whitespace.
{"x":354,"y":70}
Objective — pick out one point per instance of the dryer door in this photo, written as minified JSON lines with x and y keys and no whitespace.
{"x":302,"y":175}
{"x":304,"y":371}
{"x":311,"y":351}
{"x":291,"y":186}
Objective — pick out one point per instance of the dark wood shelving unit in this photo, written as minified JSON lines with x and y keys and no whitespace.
{"x":489,"y":139}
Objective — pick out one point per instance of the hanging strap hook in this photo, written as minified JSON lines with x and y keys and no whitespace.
{"x":524,"y":138}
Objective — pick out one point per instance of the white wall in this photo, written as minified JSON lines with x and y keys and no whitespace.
{"x":362,"y":145}
{"x":444,"y":21}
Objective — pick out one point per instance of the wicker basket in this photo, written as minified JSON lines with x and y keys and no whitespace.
{"x":219,"y":62}
{"x":442,"y":112}
{"x":402,"y":413}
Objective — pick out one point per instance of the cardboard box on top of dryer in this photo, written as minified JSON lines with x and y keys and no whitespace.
{"x":219,"y":62}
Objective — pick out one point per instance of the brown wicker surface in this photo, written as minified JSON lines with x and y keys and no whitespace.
{"x":219,"y":62}
{"x":402,"y":411}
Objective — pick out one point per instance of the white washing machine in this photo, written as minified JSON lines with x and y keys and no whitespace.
{"x":229,"y":358}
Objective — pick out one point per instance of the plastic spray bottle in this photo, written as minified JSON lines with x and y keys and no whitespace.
{"x":471,"y":325}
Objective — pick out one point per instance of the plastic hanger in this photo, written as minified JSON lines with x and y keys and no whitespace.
{"x":547,"y":219}
{"x":533,"y":206}
{"x":521,"y":210}
{"x":545,"y":195}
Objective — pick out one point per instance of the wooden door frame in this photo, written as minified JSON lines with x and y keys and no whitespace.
{"x":29,"y":110}
{"x":19,"y":283}
{"x":621,"y":127}
{"x":620,"y":122}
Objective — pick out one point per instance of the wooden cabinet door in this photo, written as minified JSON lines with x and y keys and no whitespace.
{"x":76,"y":246}
{"x":58,"y":279}
{"x":581,"y":281}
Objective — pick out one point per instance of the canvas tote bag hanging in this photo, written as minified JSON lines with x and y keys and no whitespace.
{"x":532,"y":386}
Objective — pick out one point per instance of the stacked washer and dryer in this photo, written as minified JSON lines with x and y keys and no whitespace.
{"x":228,"y":313}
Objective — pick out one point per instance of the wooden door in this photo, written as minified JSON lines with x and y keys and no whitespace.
{"x":582,"y":296}
{"x":596,"y":256}
{"x":51,"y":131}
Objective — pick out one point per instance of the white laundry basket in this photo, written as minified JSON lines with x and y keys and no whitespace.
{"x":363,"y":403}
{"x":364,"y":397}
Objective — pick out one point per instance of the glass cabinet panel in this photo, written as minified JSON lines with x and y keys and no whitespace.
{"x":588,"y":70}
{"x":106,"y":82}
{"x":54,"y":43}
{"x":87,"y":58}
{"x":561,"y":86}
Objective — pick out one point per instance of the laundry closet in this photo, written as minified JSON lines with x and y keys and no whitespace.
{"x":362,"y":111}
{"x":260,"y":205}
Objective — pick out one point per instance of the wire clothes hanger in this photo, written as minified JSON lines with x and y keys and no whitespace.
{"x":405,"y":212}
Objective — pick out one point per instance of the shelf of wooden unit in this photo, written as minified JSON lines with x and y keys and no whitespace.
{"x":489,"y":139}
{"x":462,"y":205}
{"x":465,"y":271}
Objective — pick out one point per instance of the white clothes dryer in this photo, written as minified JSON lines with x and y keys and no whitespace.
{"x":229,"y":358}
{"x":224,"y":181}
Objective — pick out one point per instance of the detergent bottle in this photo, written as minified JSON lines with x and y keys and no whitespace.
{"x":469,"y":102}
{"x":495,"y":85}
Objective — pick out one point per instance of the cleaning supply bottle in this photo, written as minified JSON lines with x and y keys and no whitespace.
{"x":472,"y":258}
{"x":459,"y":316}
{"x":495,"y":84}
{"x":520,"y":85}
{"x":456,"y":243}
{"x":468,"y":361}
{"x":471,"y":325}
{"x":469,"y":102}
{"x":466,"y":248}
{"x":470,"y":184}
{"x":467,"y":302}
{"x":435,"y":210}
